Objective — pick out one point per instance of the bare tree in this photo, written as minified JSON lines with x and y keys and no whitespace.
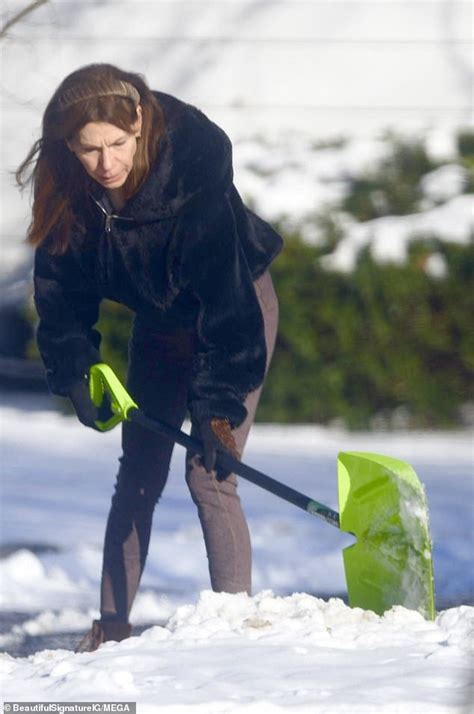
{"x":20,"y":15}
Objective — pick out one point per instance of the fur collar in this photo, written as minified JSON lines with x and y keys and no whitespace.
{"x":194,"y":157}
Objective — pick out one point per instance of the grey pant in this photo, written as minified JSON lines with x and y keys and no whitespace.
{"x":159,"y":373}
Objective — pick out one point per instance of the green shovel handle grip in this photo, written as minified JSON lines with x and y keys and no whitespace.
{"x":103,"y":382}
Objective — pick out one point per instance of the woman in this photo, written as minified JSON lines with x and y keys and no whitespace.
{"x":134,"y":202}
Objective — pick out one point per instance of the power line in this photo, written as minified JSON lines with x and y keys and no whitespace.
{"x":272,"y":3}
{"x":56,"y":34}
{"x":329,"y":107}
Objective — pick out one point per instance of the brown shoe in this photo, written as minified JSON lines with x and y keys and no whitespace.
{"x":103,"y":632}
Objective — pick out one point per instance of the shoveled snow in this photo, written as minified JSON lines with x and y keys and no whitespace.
{"x":233,"y":653}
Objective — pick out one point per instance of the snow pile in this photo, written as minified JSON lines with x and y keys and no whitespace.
{"x":444,"y":183}
{"x":25,"y":576}
{"x":69,"y":582}
{"x":232,"y":653}
{"x":293,"y":182}
{"x":390,"y":236}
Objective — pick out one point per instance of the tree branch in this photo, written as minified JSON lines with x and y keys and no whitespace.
{"x":20,"y":15}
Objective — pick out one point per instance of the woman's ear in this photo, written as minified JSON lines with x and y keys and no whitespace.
{"x":137,"y":127}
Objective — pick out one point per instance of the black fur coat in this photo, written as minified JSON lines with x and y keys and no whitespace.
{"x":183,"y":251}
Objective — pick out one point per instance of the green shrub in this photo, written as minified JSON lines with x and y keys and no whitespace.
{"x":393,"y":185}
{"x":381,"y":338}
{"x":465,"y":143}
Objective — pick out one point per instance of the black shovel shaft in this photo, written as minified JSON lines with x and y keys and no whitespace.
{"x":247,"y":472}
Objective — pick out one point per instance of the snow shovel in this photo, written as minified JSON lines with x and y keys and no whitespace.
{"x":381,"y":502}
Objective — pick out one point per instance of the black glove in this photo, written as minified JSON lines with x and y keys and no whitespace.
{"x":86,"y":411}
{"x":216,"y":435}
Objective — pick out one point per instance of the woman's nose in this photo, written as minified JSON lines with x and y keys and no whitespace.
{"x":106,"y":160}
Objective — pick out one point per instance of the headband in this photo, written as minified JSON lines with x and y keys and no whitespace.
{"x":121,"y":89}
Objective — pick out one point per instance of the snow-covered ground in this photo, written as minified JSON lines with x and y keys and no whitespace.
{"x":267,"y":655}
{"x":292,"y":647}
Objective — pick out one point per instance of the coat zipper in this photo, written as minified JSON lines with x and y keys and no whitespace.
{"x":110,"y":216}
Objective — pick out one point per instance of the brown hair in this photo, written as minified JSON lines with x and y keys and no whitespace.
{"x":94,"y":93}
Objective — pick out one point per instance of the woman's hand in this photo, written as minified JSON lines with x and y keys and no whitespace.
{"x":216,"y":435}
{"x":86,"y":411}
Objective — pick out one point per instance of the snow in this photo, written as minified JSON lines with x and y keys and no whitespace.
{"x":292,"y":179}
{"x":291,"y":647}
{"x":301,"y":73}
{"x":444,"y":183}
{"x":415,"y":522}
{"x":390,"y":236}
{"x":436,"y":266}
{"x":440,"y":144}
{"x":233,"y":653}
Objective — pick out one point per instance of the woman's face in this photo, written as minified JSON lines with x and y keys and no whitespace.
{"x":106,"y":151}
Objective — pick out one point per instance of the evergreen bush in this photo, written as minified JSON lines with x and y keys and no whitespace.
{"x":379,"y":340}
{"x":392,"y":187}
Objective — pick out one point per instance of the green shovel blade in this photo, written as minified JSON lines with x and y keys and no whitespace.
{"x":382,"y":502}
